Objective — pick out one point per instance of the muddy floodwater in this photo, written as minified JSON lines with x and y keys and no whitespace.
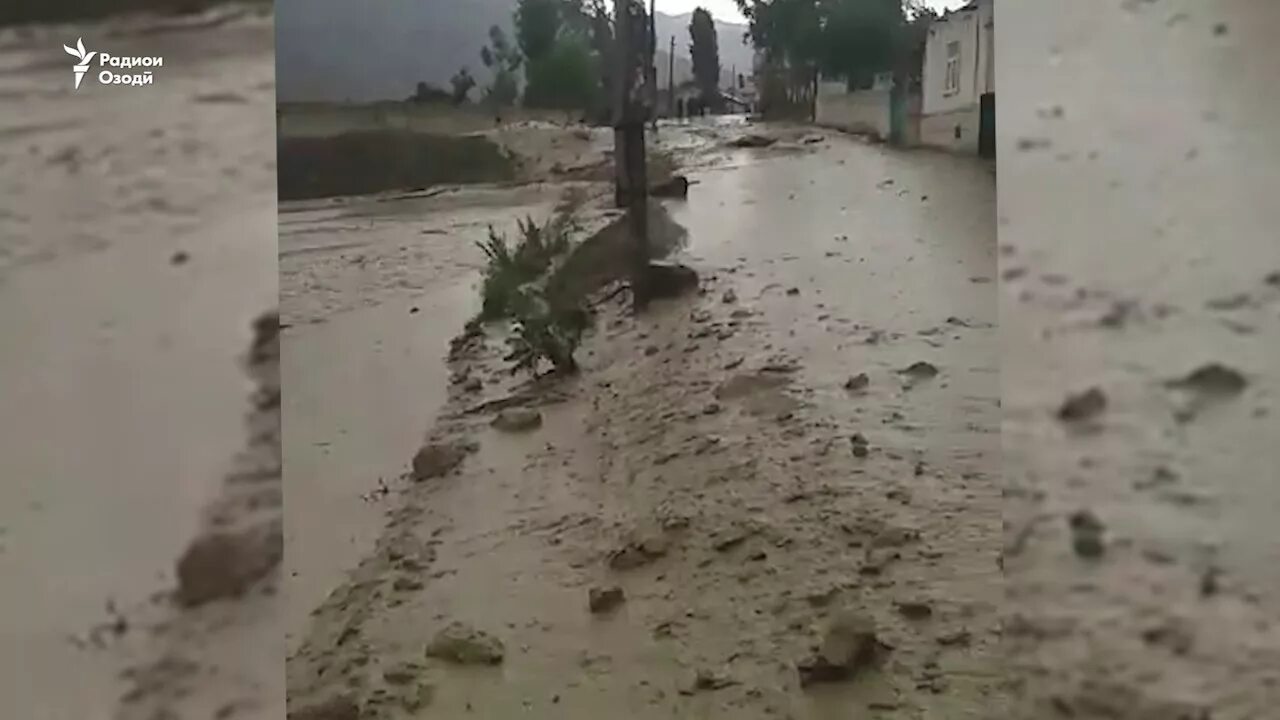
{"x":717,"y":476}
{"x":1140,"y":327}
{"x":136,"y":249}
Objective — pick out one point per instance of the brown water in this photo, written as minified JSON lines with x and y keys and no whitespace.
{"x":1139,"y":227}
{"x":512,"y":543}
{"x":123,"y":401}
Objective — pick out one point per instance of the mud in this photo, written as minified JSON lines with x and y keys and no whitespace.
{"x":136,"y":247}
{"x":745,"y":533}
{"x":1142,"y":574}
{"x":362,"y":163}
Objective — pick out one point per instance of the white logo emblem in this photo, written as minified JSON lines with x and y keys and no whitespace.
{"x":81,"y":67}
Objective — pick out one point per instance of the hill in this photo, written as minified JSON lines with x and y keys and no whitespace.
{"x":366,"y":50}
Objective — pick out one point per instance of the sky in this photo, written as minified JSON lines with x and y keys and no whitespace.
{"x":728,"y":10}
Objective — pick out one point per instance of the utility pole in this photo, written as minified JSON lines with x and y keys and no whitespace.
{"x":651,"y":64}
{"x":632,"y":185}
{"x":671,"y":78}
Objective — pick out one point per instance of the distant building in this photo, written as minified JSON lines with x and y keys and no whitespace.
{"x":958,"y":108}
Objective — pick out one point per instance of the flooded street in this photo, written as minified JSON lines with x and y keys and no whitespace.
{"x":136,"y":230}
{"x":1139,"y":261}
{"x":709,"y":471}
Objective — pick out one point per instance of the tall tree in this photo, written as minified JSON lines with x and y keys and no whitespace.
{"x":537,"y":24}
{"x":705,"y":53}
{"x":462,"y":82}
{"x":505,"y":61}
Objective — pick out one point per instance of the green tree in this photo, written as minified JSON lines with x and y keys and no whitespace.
{"x":505,"y":61}
{"x":538,"y":24}
{"x":566,"y":79}
{"x":705,"y":53}
{"x":462,"y":82}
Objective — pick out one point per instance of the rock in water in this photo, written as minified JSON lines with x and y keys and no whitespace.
{"x":676,"y":187}
{"x":221,"y":565}
{"x":1083,"y":406}
{"x":518,"y":420}
{"x":669,"y":280}
{"x":437,"y":460}
{"x":602,"y":600}
{"x":1212,"y":379}
{"x":849,"y":647}
{"x":1087,"y":534}
{"x":338,"y":707}
{"x":462,"y":644}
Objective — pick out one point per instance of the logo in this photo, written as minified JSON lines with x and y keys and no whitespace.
{"x":108,"y":77}
{"x":82,"y":67}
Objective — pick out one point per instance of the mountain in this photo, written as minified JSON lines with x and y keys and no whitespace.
{"x":366,"y":50}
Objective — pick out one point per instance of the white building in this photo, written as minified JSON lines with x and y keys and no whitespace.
{"x":958,"y":108}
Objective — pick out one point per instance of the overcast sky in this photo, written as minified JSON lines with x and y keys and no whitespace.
{"x":728,"y":9}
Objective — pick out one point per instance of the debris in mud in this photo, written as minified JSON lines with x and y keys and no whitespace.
{"x":919,"y":371}
{"x":849,"y":647}
{"x":1087,"y":534}
{"x":1119,"y":314}
{"x":179,"y":258}
{"x":677,"y":187}
{"x":338,"y":707}
{"x":729,"y":297}
{"x":671,"y":280}
{"x":220,"y":565}
{"x":955,"y":638}
{"x":515,"y":420}
{"x":752,"y":140}
{"x":706,"y":680}
{"x":1231,"y":302}
{"x":638,"y":553}
{"x":857,"y":383}
{"x":436,"y":460}
{"x":1083,"y":406}
{"x":861,"y":446}
{"x":1273,"y":279}
{"x":462,"y":644}
{"x":793,"y":291}
{"x":472,"y":385}
{"x":604,"y":599}
{"x":1172,"y":634}
{"x":1213,"y":379}
{"x":914,"y":609}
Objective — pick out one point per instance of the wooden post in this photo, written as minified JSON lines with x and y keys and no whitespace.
{"x":632,"y":191}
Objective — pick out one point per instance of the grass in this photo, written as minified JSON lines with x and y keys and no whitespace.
{"x":513,"y":288}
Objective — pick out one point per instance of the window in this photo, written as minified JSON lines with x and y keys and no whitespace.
{"x":952,"y":85}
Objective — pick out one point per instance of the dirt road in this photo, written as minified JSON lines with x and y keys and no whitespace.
{"x":136,"y":249}
{"x":1140,"y":260}
{"x":704,"y":464}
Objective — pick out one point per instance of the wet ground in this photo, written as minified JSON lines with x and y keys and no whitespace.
{"x":136,"y":249}
{"x":704,"y":462}
{"x":1139,"y":246}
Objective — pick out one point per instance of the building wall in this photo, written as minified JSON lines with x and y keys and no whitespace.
{"x":947,"y":113}
{"x":862,"y":111}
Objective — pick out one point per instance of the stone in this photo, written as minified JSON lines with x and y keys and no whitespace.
{"x":857,"y":383}
{"x":1087,"y":534}
{"x":604,"y":599}
{"x":849,"y":646}
{"x":670,"y":280}
{"x":919,"y":370}
{"x":638,"y":553}
{"x":914,"y":609}
{"x":338,"y":707}
{"x":677,"y":187}
{"x":517,"y":420}
{"x":462,"y":644}
{"x":1083,"y":406}
{"x":225,"y":564}
{"x":1212,"y":379}
{"x":436,"y":460}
